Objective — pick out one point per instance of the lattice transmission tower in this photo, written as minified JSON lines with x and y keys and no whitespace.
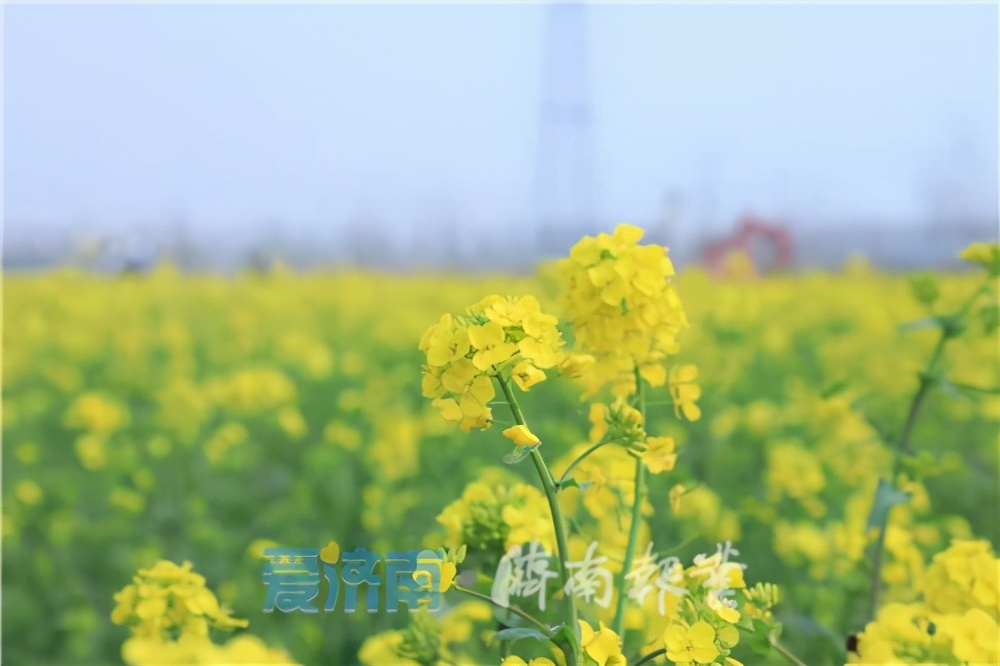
{"x":565,"y":178}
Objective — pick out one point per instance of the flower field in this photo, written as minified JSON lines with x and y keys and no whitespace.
{"x":777,"y":422}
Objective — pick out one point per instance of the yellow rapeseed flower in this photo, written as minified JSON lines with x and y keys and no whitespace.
{"x":963,"y":577}
{"x":624,"y":310}
{"x":167,"y":597}
{"x":604,"y":646}
{"x":497,"y":513}
{"x":974,"y":636}
{"x":521,"y":436}
{"x":685,"y":392}
{"x":984,"y":254}
{"x":509,"y":338}
{"x":660,"y":454}
{"x":691,"y":644}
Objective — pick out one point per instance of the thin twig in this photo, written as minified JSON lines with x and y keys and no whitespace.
{"x":618,"y":622}
{"x":580,"y":458}
{"x":651,"y":656}
{"x":513,"y":609}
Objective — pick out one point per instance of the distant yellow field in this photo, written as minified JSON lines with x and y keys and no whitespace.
{"x":204,"y":419}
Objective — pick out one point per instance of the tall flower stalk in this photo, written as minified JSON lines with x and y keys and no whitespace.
{"x":949,"y":327}
{"x":625,"y":315}
{"x":618,"y":624}
{"x":558,"y":522}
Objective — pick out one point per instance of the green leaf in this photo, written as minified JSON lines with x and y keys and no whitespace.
{"x":834,"y":389}
{"x":760,"y":640}
{"x":565,"y":635}
{"x":517,"y":455}
{"x":505,"y":617}
{"x":886,"y":497}
{"x":518,"y":633}
{"x":572,"y":483}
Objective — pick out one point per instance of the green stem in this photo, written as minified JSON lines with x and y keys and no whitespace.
{"x":903,"y":443}
{"x":559,"y":523}
{"x":786,"y":653}
{"x":917,"y":402}
{"x":779,"y":648}
{"x":651,"y":656}
{"x":633,"y":534}
{"x":992,"y":390}
{"x":513,"y":609}
{"x":580,"y":458}
{"x":515,"y":408}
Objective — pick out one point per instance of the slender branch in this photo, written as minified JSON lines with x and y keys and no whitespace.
{"x":601,"y":442}
{"x":513,"y":609}
{"x":633,"y":533}
{"x":559,"y":523}
{"x":651,"y":656}
{"x":903,"y":444}
{"x":993,"y":390}
{"x":515,"y":408}
{"x":786,"y":653}
{"x":918,"y":400}
{"x":677,"y":547}
{"x":779,"y":648}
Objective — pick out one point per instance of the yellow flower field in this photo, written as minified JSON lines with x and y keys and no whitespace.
{"x":155,"y":420}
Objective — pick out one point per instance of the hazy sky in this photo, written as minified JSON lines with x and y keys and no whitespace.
{"x":314,"y":114}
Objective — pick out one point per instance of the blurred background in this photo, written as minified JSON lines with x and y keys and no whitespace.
{"x":483,"y":136}
{"x":185,"y":415}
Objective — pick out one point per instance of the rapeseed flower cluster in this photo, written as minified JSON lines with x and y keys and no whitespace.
{"x":194,"y":650}
{"x":760,"y":600}
{"x":622,"y":424}
{"x":963,"y":578}
{"x":431,"y":639}
{"x":169,"y":611}
{"x":702,"y":609}
{"x":96,"y":413}
{"x":252,"y":390}
{"x":493,"y":337}
{"x":167,"y":600}
{"x":954,"y":621}
{"x":496,"y":514}
{"x":623,"y":308}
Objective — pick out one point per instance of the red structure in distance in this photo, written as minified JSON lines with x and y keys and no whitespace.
{"x":768,"y":244}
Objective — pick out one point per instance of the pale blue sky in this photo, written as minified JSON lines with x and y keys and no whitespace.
{"x":314,"y":114}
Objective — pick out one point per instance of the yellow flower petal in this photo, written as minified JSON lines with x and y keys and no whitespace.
{"x":521,"y":436}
